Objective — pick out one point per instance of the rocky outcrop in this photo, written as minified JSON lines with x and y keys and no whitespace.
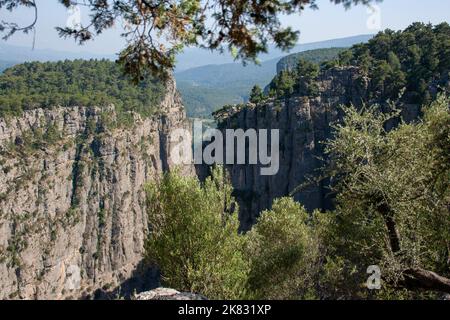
{"x":72,"y":202}
{"x":167,"y":294}
{"x":303,"y":124}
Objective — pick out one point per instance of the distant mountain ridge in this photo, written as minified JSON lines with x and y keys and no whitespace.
{"x":28,"y":54}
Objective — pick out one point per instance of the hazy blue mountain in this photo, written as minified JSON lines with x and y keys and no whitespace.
{"x":23,"y":54}
{"x":333,"y":43}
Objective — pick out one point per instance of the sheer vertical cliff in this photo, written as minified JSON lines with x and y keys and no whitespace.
{"x":72,"y":204}
{"x":304,"y":123}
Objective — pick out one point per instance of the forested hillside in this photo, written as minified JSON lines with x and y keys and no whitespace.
{"x":74,"y":83}
{"x":410,"y":66}
{"x":416,"y":61}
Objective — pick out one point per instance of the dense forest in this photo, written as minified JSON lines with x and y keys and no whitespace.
{"x":75,"y":83}
{"x":411,"y":65}
{"x":415,"y":60}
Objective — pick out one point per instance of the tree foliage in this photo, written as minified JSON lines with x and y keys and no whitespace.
{"x":194,"y":240}
{"x":284,"y":253}
{"x":393,"y":199}
{"x":75,"y":83}
{"x":415,"y":61}
{"x":157,"y":30}
{"x":301,"y":80}
{"x":194,"y":236}
{"x":256,"y":95}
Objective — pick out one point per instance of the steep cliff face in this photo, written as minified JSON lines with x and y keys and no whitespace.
{"x":303,"y":124}
{"x":72,"y":205}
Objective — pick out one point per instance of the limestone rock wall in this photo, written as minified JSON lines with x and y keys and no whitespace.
{"x":72,"y":203}
{"x":303,"y":124}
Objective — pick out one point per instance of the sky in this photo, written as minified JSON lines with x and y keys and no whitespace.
{"x":329,"y":22}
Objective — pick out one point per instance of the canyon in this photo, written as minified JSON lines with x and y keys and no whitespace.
{"x":73,"y":216}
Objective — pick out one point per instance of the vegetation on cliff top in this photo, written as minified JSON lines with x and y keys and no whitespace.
{"x":316,"y":56}
{"x":412,"y":65}
{"x":75,"y":83}
{"x":416,"y":60}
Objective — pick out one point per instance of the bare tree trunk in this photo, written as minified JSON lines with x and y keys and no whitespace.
{"x":394,"y":238}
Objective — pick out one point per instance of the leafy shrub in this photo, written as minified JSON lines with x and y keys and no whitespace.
{"x":283,"y":252}
{"x":393,"y":196}
{"x":194,"y":238}
{"x":197,"y":246}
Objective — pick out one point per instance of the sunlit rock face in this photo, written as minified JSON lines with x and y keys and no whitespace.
{"x":73,"y":210}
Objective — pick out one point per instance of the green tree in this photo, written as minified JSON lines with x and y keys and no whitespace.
{"x":393,"y":197}
{"x":346,"y":57}
{"x":194,"y":240}
{"x":283,"y":251}
{"x":307,"y":73}
{"x":284,"y":83}
{"x":256,"y":95}
{"x":396,"y":77}
{"x":194,"y":236}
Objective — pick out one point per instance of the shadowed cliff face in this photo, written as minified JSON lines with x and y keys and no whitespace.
{"x":303,"y":123}
{"x":72,"y":205}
